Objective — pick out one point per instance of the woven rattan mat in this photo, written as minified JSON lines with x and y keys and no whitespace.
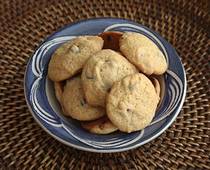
{"x":25,"y":23}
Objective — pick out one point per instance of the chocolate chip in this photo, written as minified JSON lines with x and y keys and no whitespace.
{"x":82,"y":101}
{"x":131,"y":87}
{"x":108,"y":90}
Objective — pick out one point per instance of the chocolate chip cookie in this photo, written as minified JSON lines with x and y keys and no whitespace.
{"x":100,"y":72}
{"x":100,"y":126}
{"x":70,"y":57}
{"x":143,"y":53}
{"x":132,"y":102}
{"x":75,"y":105}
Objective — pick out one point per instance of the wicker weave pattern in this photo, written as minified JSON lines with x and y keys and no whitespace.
{"x":24,"y":24}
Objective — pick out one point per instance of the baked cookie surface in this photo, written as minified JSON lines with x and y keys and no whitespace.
{"x":75,"y":105}
{"x":156,"y":84}
{"x":143,"y":53}
{"x":100,"y":72}
{"x":99,"y":126}
{"x":58,"y":86}
{"x":132,"y":102}
{"x":70,"y":57}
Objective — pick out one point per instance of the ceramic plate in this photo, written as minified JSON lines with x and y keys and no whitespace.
{"x":40,"y":97}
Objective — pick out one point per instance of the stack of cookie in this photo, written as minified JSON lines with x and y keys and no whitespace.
{"x":102,"y":81}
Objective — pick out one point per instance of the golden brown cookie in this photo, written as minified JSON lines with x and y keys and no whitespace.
{"x":156,"y":85}
{"x":132,"y":102}
{"x":74,"y":102}
{"x":100,"y":126}
{"x":143,"y":53}
{"x":58,"y":86}
{"x":100,"y":72}
{"x":70,"y":57}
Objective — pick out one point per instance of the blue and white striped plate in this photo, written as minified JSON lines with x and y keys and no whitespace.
{"x":43,"y":105}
